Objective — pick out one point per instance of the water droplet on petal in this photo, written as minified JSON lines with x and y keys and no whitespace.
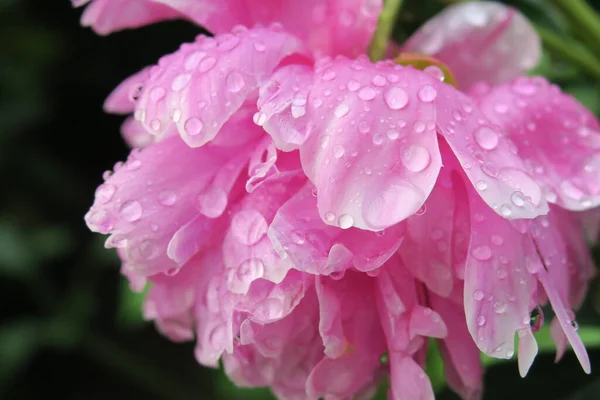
{"x":480,"y":320}
{"x":338,"y":151}
{"x":486,"y":137}
{"x":180,"y":82}
{"x":167,"y":197}
{"x":367,"y":93}
{"x":482,"y":252}
{"x":396,"y":98}
{"x":435,"y":72}
{"x":131,"y":210}
{"x":329,"y":216}
{"x":207,"y":64}
{"x":105,"y":193}
{"x":193,"y":126}
{"x":235,"y":82}
{"x":478,"y":295}
{"x":415,"y":158}
{"x":427,"y":94}
{"x":345,"y":221}
{"x":341,"y":110}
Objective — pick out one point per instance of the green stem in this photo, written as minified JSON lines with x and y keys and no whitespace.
{"x":570,"y":51}
{"x":387,"y":18}
{"x":154,"y":380}
{"x":583,"y":18}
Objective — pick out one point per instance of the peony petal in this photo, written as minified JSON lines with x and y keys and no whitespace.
{"x":123,"y":97}
{"x":298,"y":232}
{"x":408,"y":380}
{"x":135,"y":135}
{"x":479,"y":41}
{"x":528,"y":349}
{"x":247,"y":251}
{"x":556,"y":136}
{"x":426,"y":322}
{"x":498,"y":287}
{"x":149,"y":198}
{"x":373,"y":152}
{"x":328,"y":26}
{"x":201,"y":86}
{"x":427,"y":247}
{"x":352,"y":337}
{"x":107,"y":16}
{"x":462,"y":362}
{"x":282,"y":106}
{"x":566,"y":321}
{"x":488,"y":158}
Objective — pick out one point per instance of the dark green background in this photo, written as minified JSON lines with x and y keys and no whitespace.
{"x":70,"y":329}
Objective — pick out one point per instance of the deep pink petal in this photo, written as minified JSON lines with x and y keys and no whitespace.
{"x":556,"y":136}
{"x":499,"y":285}
{"x":408,"y":380}
{"x":201,"y":86}
{"x":352,"y":337}
{"x":298,"y":232}
{"x":372,"y":151}
{"x":462,"y":362}
{"x":479,"y":41}
{"x":488,"y":158}
{"x":106,"y":16}
{"x":328,"y":26}
{"x":149,"y":199}
{"x":123,"y":97}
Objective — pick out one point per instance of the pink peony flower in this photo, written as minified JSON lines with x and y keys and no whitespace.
{"x":313,"y":218}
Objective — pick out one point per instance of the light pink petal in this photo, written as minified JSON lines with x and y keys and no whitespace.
{"x":352,"y":337}
{"x":135,"y":135}
{"x":528,"y":349}
{"x":281,"y":354}
{"x":488,"y":158}
{"x":558,"y":138}
{"x":565,"y":318}
{"x":427,"y":247}
{"x":328,"y":26}
{"x":298,"y":232}
{"x":106,"y":16}
{"x":462,"y":362}
{"x":247,"y":251}
{"x":149,"y":198}
{"x":479,"y":41}
{"x":122,"y":98}
{"x":499,"y":285}
{"x":282,"y":106}
{"x":408,"y":380}
{"x":559,"y":338}
{"x":372,"y":152}
{"x":426,"y":322}
{"x":201,"y":86}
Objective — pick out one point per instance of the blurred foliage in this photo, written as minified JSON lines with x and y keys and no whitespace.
{"x":71,"y":328}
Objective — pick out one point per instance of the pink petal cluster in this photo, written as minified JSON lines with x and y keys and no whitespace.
{"x":313,"y":219}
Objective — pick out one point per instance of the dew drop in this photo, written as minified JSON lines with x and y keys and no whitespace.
{"x":181,"y":82}
{"x":212,"y":202}
{"x":396,"y":98}
{"x":478,"y":295}
{"x":131,"y":211}
{"x":482,"y":252}
{"x":480,"y":320}
{"x":235,"y":82}
{"x":486,"y":137}
{"x":341,"y":110}
{"x":193,"y":126}
{"x":338,"y":151}
{"x":105,"y":193}
{"x":427,"y":94}
{"x":415,"y":158}
{"x":367,"y":93}
{"x":345,"y":221}
{"x":167,"y":197}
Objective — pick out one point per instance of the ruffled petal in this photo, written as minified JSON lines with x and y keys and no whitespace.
{"x":352,"y":337}
{"x":298,"y":232}
{"x":106,"y":16}
{"x":328,"y":26}
{"x":149,"y":199}
{"x":479,"y":41}
{"x":372,"y":151}
{"x":488,"y":158}
{"x":247,"y":251}
{"x":201,"y":86}
{"x":499,"y":285}
{"x":427,"y":247}
{"x":462,"y":362}
{"x":408,"y":380}
{"x":123,"y":97}
{"x":556,"y":136}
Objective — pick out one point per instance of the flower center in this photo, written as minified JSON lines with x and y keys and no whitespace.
{"x":428,"y":64}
